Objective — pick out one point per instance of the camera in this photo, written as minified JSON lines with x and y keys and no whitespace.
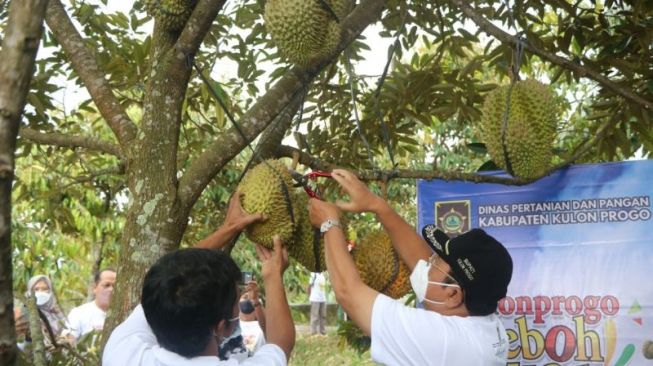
{"x":247,"y":276}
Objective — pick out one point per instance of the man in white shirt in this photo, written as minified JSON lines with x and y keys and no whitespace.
{"x":90,"y":316}
{"x":317,"y":297}
{"x":189,"y":306}
{"x":458,"y":280}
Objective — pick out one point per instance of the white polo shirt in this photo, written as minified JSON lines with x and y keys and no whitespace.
{"x":407,"y":336}
{"x":134,"y":343}
{"x":85,"y":319}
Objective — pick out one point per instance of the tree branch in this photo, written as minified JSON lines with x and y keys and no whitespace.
{"x":62,"y":140}
{"x":197,"y":27}
{"x":386,"y":175}
{"x":35,"y":330}
{"x":581,"y":70}
{"x":268,"y":107}
{"x":273,"y":135}
{"x":22,"y":36}
{"x":119,"y":169}
{"x":83,"y":61}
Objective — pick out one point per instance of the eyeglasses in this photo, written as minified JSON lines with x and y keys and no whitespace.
{"x":433,"y":261}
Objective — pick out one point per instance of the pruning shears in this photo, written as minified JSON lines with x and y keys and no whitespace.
{"x":304,"y":181}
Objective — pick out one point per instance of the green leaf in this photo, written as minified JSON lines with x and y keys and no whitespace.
{"x":488,"y":166}
{"x":477,"y":147}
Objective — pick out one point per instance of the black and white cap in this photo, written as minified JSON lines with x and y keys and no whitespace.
{"x":481,"y":265}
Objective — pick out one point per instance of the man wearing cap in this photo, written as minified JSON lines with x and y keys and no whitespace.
{"x":459,"y":281}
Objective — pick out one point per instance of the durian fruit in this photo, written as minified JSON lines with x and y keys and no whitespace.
{"x":401,"y":285}
{"x":304,"y":30}
{"x":531,"y":127}
{"x":172,"y":14}
{"x":307,"y":246}
{"x":307,"y":241}
{"x":380,"y":266}
{"x":267,"y":188}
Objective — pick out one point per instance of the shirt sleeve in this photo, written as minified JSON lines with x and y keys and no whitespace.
{"x":129,"y":341}
{"x":401,"y":335}
{"x":73,"y":324}
{"x":268,"y":355}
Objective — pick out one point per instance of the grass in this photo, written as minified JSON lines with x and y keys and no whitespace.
{"x":325,"y":350}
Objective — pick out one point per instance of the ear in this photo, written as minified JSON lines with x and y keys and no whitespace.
{"x":454,"y":297}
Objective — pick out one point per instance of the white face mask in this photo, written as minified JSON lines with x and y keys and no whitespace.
{"x":42,"y":297}
{"x":419,"y":280}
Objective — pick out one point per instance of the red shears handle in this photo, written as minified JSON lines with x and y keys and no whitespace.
{"x":313,"y":176}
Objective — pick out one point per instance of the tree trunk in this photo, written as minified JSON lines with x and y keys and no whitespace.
{"x":154,"y":224}
{"x":19,"y":47}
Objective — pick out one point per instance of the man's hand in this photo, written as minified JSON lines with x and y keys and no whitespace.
{"x":361,"y":199}
{"x":279,"y":327}
{"x":237,"y":219}
{"x":273,"y":262}
{"x":320,"y":211}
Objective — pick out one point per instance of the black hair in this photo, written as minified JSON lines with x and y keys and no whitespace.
{"x":185,"y":294}
{"x":98,"y":274}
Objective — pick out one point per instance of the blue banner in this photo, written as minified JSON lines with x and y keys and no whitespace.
{"x":582,"y":245}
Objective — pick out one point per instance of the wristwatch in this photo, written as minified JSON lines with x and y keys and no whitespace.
{"x":328,"y":224}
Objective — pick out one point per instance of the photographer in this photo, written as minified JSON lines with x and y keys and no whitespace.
{"x":252,"y":316}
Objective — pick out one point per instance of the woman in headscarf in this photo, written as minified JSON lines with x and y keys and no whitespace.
{"x":52,"y":317}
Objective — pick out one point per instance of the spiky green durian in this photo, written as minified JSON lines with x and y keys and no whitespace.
{"x":380,"y":266}
{"x":305,"y":31}
{"x":307,"y":246}
{"x":267,"y":188}
{"x":531,"y":127}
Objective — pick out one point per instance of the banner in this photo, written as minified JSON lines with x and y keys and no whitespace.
{"x":582,"y":246}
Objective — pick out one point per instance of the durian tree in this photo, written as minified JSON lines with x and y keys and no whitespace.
{"x":151,"y":130}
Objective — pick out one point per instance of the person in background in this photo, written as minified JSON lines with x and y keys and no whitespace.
{"x":318,"y":297}
{"x":53,"y":320}
{"x":90,"y":316}
{"x":252,"y":318}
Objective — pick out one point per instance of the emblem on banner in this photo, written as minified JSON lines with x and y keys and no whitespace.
{"x":453,"y":217}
